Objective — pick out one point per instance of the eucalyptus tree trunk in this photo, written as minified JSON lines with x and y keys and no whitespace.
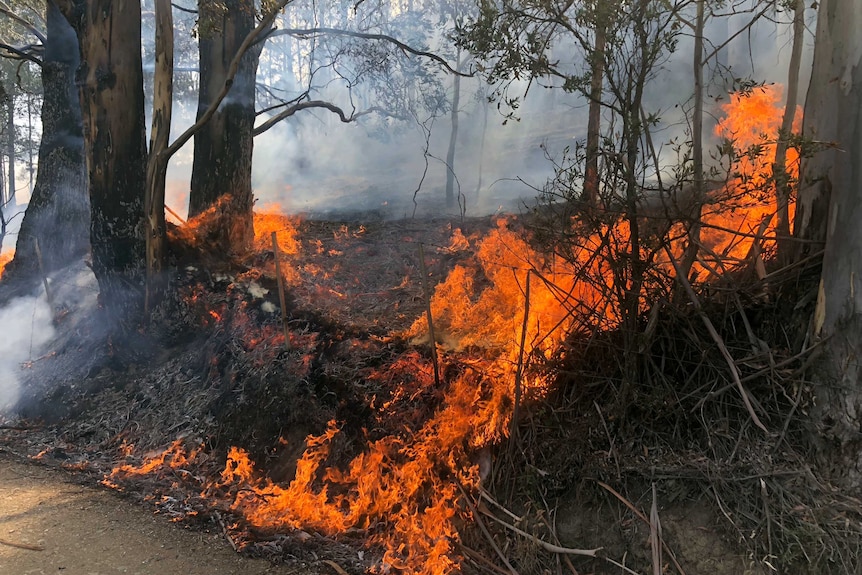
{"x":829,"y":211}
{"x":111,"y":90}
{"x":453,"y":136}
{"x":783,"y":186}
{"x":221,"y":172}
{"x":157,"y":166}
{"x":57,"y":216}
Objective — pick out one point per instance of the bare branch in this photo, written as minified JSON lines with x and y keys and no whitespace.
{"x":182,"y":9}
{"x":305,"y":32}
{"x":5,"y":10}
{"x":306,"y":105}
{"x":19,"y":54}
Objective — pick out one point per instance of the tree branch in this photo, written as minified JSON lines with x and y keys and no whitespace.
{"x":306,"y":105}
{"x":19,"y":54}
{"x":304,"y":32}
{"x":5,"y":10}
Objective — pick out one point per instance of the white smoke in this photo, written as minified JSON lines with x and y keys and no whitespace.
{"x":26,"y":328}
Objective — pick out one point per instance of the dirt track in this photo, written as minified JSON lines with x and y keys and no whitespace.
{"x":77,"y":530}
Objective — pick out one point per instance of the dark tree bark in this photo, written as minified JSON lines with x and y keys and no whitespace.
{"x":111,"y":90}
{"x":221,"y":172}
{"x":828,"y":214}
{"x":57,"y":216}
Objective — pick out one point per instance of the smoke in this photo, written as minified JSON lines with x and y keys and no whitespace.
{"x":27,"y":327}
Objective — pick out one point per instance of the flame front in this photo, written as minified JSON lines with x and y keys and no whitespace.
{"x":405,"y":489}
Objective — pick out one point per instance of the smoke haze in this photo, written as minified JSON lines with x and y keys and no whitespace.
{"x":26,"y":324}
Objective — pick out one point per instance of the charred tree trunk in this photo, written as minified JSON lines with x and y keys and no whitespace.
{"x":221,"y":172}
{"x":828,"y":213}
{"x":110,"y":81}
{"x":57,"y":216}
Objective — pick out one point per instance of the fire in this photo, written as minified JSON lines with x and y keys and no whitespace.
{"x":174,"y":457}
{"x":6,"y":257}
{"x":752,"y":122}
{"x":494,"y":321}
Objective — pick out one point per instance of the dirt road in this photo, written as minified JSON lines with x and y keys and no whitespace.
{"x":50,"y":525}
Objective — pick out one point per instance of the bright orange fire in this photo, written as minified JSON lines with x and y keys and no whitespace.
{"x":752,"y":122}
{"x":5,"y":258}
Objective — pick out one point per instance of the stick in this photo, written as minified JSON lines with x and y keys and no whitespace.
{"x":485,"y":531}
{"x":427,"y":293}
{"x":544,"y":544}
{"x":22,"y":545}
{"x":519,"y":372}
{"x":224,"y":531}
{"x":280,"y":281}
{"x":655,"y":537}
{"x":335,"y":566}
{"x":174,"y":214}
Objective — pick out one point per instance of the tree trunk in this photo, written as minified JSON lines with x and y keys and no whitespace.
{"x":221,"y":172}
{"x":828,"y":214}
{"x":453,"y":136}
{"x":57,"y":216}
{"x":597,"y":75}
{"x":157,"y":165}
{"x":694,"y":225}
{"x":779,"y":166}
{"x":11,"y":202}
{"x":110,"y":80}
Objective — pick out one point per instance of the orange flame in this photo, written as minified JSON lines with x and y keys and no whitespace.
{"x":752,"y":123}
{"x":5,"y":258}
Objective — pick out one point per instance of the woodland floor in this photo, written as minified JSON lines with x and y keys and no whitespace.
{"x":221,"y":376}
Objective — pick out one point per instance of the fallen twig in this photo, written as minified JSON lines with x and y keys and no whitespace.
{"x":338,"y":568}
{"x":544,"y":544}
{"x":22,"y":545}
{"x":224,"y":531}
{"x":719,"y":341}
{"x":485,"y":531}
